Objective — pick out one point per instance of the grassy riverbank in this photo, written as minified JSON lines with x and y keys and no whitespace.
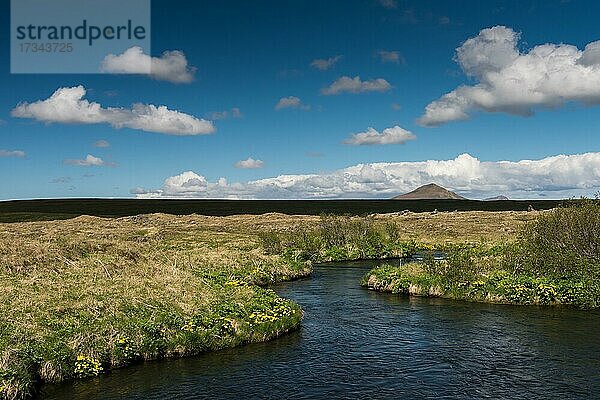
{"x":550,"y":257}
{"x":555,"y":259}
{"x":497,"y":286}
{"x":83,"y":296}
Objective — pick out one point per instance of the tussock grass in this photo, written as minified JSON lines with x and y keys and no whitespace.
{"x":381,"y":236}
{"x":88,"y":294}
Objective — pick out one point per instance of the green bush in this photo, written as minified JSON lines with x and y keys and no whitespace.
{"x":338,"y":238}
{"x":562,"y":243}
{"x":458,"y":266}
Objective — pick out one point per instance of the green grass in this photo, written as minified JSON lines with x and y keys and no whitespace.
{"x":83,"y":296}
{"x":500,"y":286}
{"x":554,"y":260}
{"x":338,"y":238}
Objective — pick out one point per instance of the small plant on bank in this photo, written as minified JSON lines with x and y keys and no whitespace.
{"x":125,"y":349}
{"x":86,"y":366}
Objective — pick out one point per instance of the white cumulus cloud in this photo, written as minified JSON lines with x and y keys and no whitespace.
{"x":551,"y":177}
{"x":12,"y":153}
{"x":291,"y":102}
{"x":171,"y":66}
{"x":516,"y":82}
{"x":89,"y":161}
{"x":187,"y":182}
{"x":324,"y":64}
{"x":356,"y":85}
{"x":394,"y":135}
{"x":68,"y":106}
{"x":250,"y":163}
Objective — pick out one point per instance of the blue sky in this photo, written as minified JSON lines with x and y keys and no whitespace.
{"x":249,"y":55}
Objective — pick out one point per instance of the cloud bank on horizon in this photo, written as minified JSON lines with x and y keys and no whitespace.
{"x":515,"y":82}
{"x":550,"y":177}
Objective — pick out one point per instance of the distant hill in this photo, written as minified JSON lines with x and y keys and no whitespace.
{"x":501,"y":197}
{"x":429,"y":192}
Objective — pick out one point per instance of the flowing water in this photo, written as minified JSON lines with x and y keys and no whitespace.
{"x":356,"y":343}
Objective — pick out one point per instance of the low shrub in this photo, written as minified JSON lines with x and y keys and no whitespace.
{"x":562,"y":243}
{"x":338,"y":238}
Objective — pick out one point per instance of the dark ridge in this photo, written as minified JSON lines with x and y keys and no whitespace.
{"x":32,"y":210}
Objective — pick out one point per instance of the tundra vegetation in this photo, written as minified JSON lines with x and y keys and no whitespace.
{"x":85,"y":295}
{"x":82,"y":296}
{"x":554,"y":259}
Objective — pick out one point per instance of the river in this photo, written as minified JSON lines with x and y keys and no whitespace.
{"x":359,"y":344}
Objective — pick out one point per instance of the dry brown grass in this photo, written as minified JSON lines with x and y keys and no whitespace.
{"x":428,"y":227}
{"x":461,"y":226}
